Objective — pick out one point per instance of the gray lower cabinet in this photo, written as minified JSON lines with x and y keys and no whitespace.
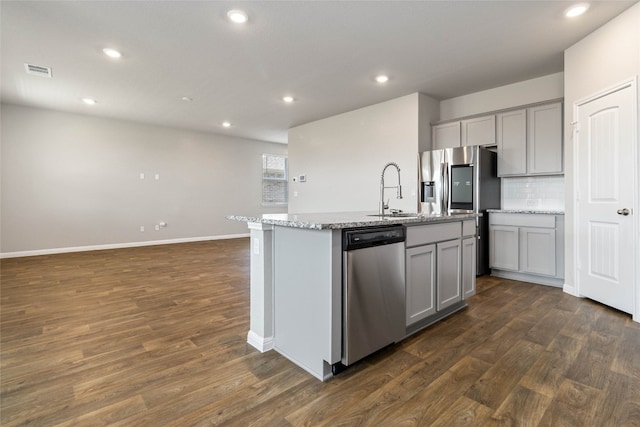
{"x":421,"y":282}
{"x":440,"y":268}
{"x":538,"y":250}
{"x":503,"y":247}
{"x":527,"y":247}
{"x":449,"y":281}
{"x":469,"y":267}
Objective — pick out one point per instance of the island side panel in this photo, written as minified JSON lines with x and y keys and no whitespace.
{"x":260,"y":333}
{"x":308,"y":297}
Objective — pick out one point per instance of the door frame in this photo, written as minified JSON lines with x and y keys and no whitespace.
{"x":633,"y":83}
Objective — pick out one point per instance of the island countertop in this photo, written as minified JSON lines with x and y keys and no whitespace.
{"x":527,"y":211}
{"x":339,"y":220}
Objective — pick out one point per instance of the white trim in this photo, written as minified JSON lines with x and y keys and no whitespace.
{"x":262,"y":344}
{"x":571,"y":290}
{"x":259,"y":226}
{"x":54,"y":251}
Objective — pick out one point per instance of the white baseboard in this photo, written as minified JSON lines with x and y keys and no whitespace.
{"x":54,"y":251}
{"x":260,"y":343}
{"x":531,"y":278}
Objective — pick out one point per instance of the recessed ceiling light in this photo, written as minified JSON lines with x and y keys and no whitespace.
{"x":576,"y":10}
{"x":288,"y":99}
{"x":186,"y":99}
{"x":111,"y":53}
{"x":89,"y":101}
{"x":237,"y":16}
{"x":382,"y":78}
{"x":226,"y":124}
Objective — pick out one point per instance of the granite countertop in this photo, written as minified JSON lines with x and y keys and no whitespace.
{"x":339,"y":220}
{"x":527,"y":211}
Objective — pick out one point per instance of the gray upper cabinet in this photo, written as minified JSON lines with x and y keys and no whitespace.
{"x":530,"y":141}
{"x":512,"y":143}
{"x":544,"y":151}
{"x":446,"y":135}
{"x":478,"y":131}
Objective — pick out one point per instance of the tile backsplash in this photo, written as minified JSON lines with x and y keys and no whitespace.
{"x":533,"y":193}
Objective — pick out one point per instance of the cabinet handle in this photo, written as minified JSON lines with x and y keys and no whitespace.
{"x":624,"y":211}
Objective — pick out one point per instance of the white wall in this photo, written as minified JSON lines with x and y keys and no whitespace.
{"x":521,"y":93}
{"x":71,"y":181}
{"x":343,"y":156}
{"x":603,"y":59}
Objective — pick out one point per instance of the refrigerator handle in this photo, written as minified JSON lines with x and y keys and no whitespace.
{"x":444,"y":176}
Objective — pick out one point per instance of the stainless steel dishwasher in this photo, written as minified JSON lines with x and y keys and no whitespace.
{"x":373,"y":290}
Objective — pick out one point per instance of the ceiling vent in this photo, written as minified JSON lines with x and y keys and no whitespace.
{"x":38,"y":70}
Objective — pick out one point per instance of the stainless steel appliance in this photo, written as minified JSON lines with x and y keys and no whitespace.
{"x":373,"y":290}
{"x":462,"y":180}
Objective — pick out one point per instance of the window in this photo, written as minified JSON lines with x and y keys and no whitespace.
{"x":274,"y":180}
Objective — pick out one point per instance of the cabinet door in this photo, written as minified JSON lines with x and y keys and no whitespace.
{"x":446,"y":135}
{"x":503,"y":247}
{"x":479,"y":131}
{"x":469,"y":266}
{"x":420,"y":283}
{"x":449,"y":283}
{"x":544,"y":151}
{"x":512,"y":143}
{"x":538,"y":251}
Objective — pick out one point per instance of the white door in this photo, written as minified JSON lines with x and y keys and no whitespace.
{"x":605,"y":198}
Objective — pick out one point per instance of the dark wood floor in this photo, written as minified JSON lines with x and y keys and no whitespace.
{"x":157,"y":336}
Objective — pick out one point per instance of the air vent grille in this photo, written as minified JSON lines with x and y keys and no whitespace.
{"x":38,"y":70}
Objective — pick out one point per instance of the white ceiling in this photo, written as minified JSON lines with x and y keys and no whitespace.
{"x":324,"y":53}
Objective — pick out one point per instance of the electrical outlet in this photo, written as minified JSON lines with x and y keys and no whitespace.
{"x":157,"y":227}
{"x":142,"y":228}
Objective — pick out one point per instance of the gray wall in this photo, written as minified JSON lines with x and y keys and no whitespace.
{"x":514,"y":95}
{"x":72,"y":181}
{"x":605,"y":58}
{"x":342,"y":156}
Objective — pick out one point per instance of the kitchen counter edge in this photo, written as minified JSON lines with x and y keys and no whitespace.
{"x":526,"y":211}
{"x":344,"y":220}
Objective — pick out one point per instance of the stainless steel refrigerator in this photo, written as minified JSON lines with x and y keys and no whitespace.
{"x":462,"y":180}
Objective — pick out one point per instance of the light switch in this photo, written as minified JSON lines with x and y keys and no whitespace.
{"x":141,"y":175}
{"x":157,"y":176}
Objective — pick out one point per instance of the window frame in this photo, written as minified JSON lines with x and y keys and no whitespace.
{"x":284,"y":180}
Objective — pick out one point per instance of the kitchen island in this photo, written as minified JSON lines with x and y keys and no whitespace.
{"x":297,"y":273}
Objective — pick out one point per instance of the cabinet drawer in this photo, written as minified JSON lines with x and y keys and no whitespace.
{"x":424,"y":234}
{"x":523,"y":220}
{"x":468,"y":228}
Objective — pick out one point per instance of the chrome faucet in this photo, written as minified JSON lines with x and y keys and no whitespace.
{"x":384,"y":205}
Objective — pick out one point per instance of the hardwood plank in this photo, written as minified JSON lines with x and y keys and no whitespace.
{"x":157,"y":336}
{"x":464,"y":412}
{"x":522,"y":407}
{"x":574,"y":405}
{"x":422,"y":406}
{"x":593,"y":364}
{"x":496,"y":384}
{"x":548,"y":371}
